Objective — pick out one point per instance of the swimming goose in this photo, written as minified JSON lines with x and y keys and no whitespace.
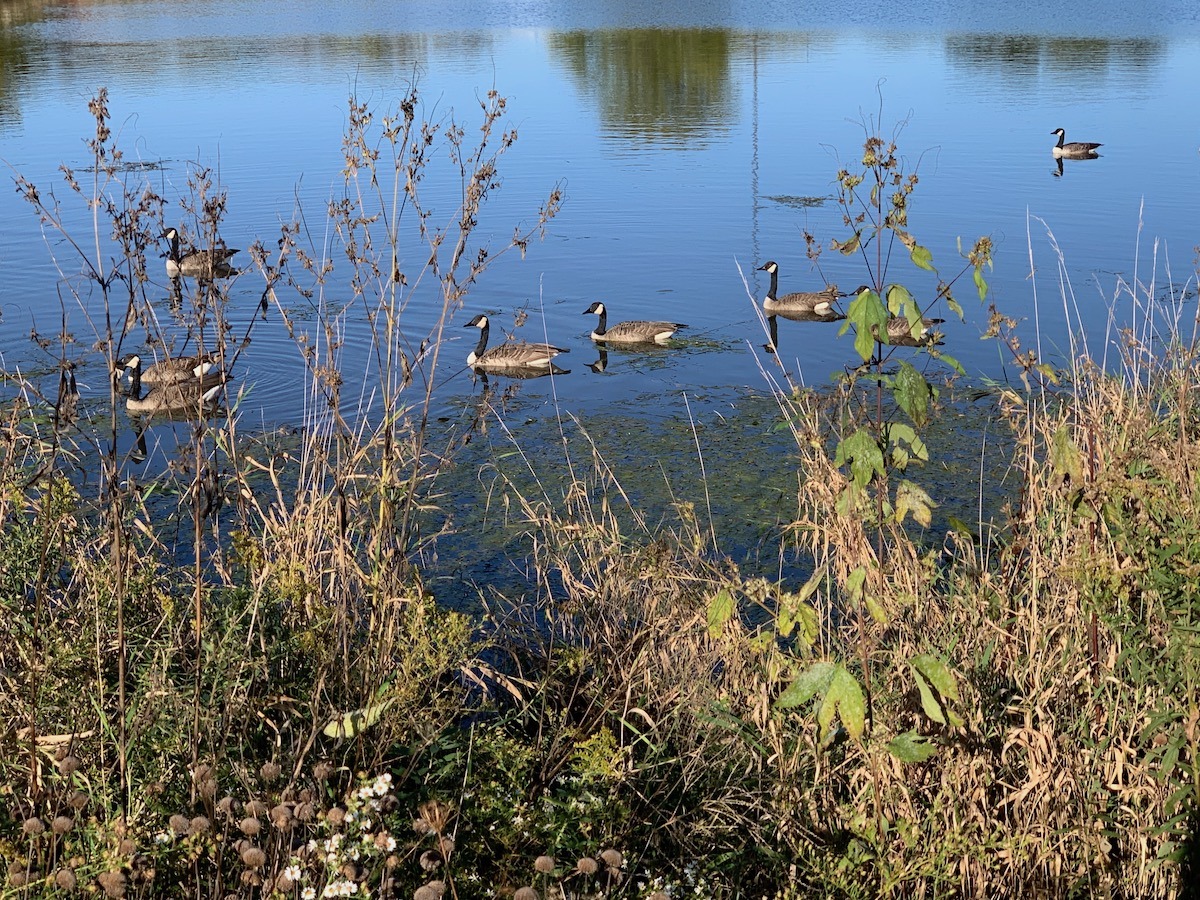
{"x":636,"y":332}
{"x":814,"y":306}
{"x":194,"y":397}
{"x":206,"y":264}
{"x":901,"y":333}
{"x":1075,"y":149}
{"x":511,"y":355}
{"x":166,"y":371}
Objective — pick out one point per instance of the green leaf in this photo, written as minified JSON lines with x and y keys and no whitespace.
{"x":929,"y":703}
{"x":867,"y":314}
{"x":912,"y":499}
{"x":900,"y":433}
{"x":899,"y":301}
{"x":875,"y":609}
{"x":913,"y":394}
{"x":922,"y":258}
{"x":845,"y":694}
{"x":1065,"y":457}
{"x":814,"y":680}
{"x":863,"y":455}
{"x":938,"y":673}
{"x":955,"y":307}
{"x":981,"y":284}
{"x":910,"y":747}
{"x":950,"y":361}
{"x":720,"y":609}
{"x":355,"y":722}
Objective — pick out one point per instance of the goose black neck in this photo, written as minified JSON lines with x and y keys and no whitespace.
{"x":603,"y":321}
{"x":1061,"y":137}
{"x":483,"y":339}
{"x":774,"y":283}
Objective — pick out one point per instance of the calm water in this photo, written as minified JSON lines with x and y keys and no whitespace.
{"x":693,"y":141}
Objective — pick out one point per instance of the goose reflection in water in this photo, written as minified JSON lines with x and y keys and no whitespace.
{"x":773,"y":325}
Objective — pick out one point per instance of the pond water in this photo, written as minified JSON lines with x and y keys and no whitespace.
{"x":692,"y":142}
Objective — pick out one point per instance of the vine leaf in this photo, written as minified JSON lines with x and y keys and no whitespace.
{"x":720,"y":610}
{"x":869,"y":317}
{"x":863,"y":455}
{"x":910,"y":747}
{"x":937,"y":686}
{"x":913,"y":394}
{"x":912,"y":499}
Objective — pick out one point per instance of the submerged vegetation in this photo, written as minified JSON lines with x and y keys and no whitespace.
{"x":232,"y":678}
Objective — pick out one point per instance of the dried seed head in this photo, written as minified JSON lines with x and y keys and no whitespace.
{"x":437,"y":814}
{"x":126,"y":847}
{"x":199,"y":825}
{"x":253,"y":857}
{"x":431,"y":891}
{"x":525,"y":893}
{"x":251,"y":878}
{"x":336,"y":816}
{"x":18,"y":878}
{"x":544,"y":864}
{"x":323,"y":771}
{"x":33,"y":826}
{"x":270,"y":771}
{"x":250,"y":826}
{"x":586,"y":866}
{"x":226,"y":806}
{"x":203,"y":772}
{"x":306,"y":796}
{"x":208,"y":788}
{"x":446,"y":845}
{"x":281,"y":815}
{"x":283,"y":884}
{"x":69,"y":764}
{"x":62,"y":824}
{"x":612,"y":858}
{"x":78,"y":800}
{"x":113,"y":883}
{"x":178,"y":823}
{"x":305,"y":812}
{"x":658,"y":895}
{"x":421,"y":827}
{"x":430,"y":860}
{"x":65,"y":880}
{"x":255,"y":808}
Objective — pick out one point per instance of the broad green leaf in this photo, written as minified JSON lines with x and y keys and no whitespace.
{"x":875,"y":609}
{"x":814,"y":680}
{"x":929,"y":703}
{"x":354,"y":723}
{"x":912,"y":394}
{"x":855,"y":582}
{"x":1047,"y":371}
{"x":912,"y":499}
{"x":867,"y":314}
{"x":981,"y":284}
{"x":922,"y":258}
{"x":961,"y":527}
{"x":720,"y":608}
{"x":850,"y":245}
{"x":846,"y":694}
{"x":950,"y":361}
{"x":863,"y":456}
{"x":810,"y":624}
{"x":938,"y":673}
{"x":1065,"y":457}
{"x":910,"y":747}
{"x":899,"y":301}
{"x":899,"y":433}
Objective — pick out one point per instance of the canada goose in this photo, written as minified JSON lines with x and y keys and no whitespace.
{"x":166,"y":371}
{"x":1075,"y":149}
{"x":815,"y":306}
{"x":636,"y":332}
{"x":901,"y":333}
{"x":206,"y":264}
{"x":510,"y":356}
{"x":179,"y":398}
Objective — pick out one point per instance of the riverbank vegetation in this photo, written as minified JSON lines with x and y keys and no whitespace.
{"x":232,"y":678}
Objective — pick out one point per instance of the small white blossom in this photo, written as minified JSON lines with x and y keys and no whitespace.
{"x":162,"y":838}
{"x":292,"y":873}
{"x":309,"y":893}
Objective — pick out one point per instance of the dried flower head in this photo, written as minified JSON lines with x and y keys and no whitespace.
{"x":199,"y":825}
{"x":586,"y":866}
{"x":78,"y":800}
{"x":208,"y":788}
{"x":305,"y":812}
{"x":33,"y":826}
{"x":437,"y":814}
{"x":284,"y":883}
{"x":69,"y":764}
{"x":253,"y":857}
{"x":525,"y":893}
{"x":430,"y":860}
{"x":431,"y":891}
{"x":256,"y":808}
{"x":203,"y":772}
{"x":658,"y":895}
{"x":250,"y":826}
{"x":18,"y":878}
{"x":335,"y":816}
{"x":113,"y":883}
{"x":125,"y":847}
{"x":323,"y":771}
{"x":65,"y":880}
{"x":178,"y":823}
{"x":270,"y":771}
{"x":612,"y":858}
{"x":62,"y":824}
{"x":226,"y":806}
{"x":281,"y":816}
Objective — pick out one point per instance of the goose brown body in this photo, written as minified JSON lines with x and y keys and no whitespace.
{"x":632,"y":332}
{"x":203,"y":264}
{"x":511,"y":355}
{"x":811,"y":306}
{"x":1073,"y":149}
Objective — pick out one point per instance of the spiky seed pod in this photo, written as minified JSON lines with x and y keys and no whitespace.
{"x":62,"y":824}
{"x":544,"y":864}
{"x":256,"y":808}
{"x":283,"y":884}
{"x":249,"y":826}
{"x":336,"y":816}
{"x":226,"y":806}
{"x":112,"y":883}
{"x":430,"y":860}
{"x":65,"y":880}
{"x":269,"y":771}
{"x":33,"y":826}
{"x":208,"y":788}
{"x":178,"y":823}
{"x":199,"y":825}
{"x":78,"y":800}
{"x":305,"y":812}
{"x":69,"y":764}
{"x":254,"y":857}
{"x":281,"y":816}
{"x":612,"y":858}
{"x":586,"y":866}
{"x":525,"y":893}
